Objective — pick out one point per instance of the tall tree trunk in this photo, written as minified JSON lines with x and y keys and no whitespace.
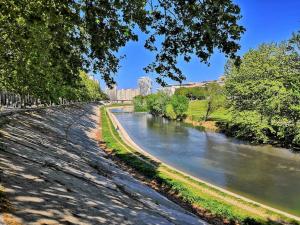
{"x":207,"y":111}
{"x":22,"y":101}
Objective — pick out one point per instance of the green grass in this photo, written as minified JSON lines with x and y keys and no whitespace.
{"x":193,"y":192}
{"x":197,"y":111}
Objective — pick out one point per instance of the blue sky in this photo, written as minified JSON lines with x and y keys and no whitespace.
{"x":264,"y":20}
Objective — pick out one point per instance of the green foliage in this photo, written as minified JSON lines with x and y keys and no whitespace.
{"x":192,"y":93}
{"x":211,"y":97}
{"x":140,"y":104}
{"x":215,"y":98}
{"x":180,"y":105}
{"x":90,"y":89}
{"x":170,"y":112}
{"x":45,"y":44}
{"x":172,"y":107}
{"x":177,"y":105}
{"x":197,"y":111}
{"x":296,"y":139}
{"x":264,"y":93}
{"x":87,"y":90}
{"x":250,"y":125}
{"x":157,"y":103}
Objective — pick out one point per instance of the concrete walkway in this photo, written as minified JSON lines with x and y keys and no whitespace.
{"x":53,"y":172}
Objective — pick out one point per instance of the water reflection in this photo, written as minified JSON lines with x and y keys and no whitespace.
{"x":263,"y":173}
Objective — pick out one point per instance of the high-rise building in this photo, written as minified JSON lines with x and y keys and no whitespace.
{"x":115,"y":94}
{"x":145,"y":86}
{"x":112,"y":93}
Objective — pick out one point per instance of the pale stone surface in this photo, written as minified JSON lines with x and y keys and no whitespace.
{"x":55,"y":173}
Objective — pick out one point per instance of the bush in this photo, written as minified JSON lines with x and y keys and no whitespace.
{"x":170,"y":112}
{"x":157,"y":103}
{"x":250,"y":125}
{"x":140,"y":104}
{"x":161,"y":104}
{"x":180,"y":105}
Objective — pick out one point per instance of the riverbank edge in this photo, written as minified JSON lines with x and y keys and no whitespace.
{"x":273,"y":214}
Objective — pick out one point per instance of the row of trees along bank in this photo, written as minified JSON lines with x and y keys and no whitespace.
{"x":161,"y":104}
{"x":87,"y":89}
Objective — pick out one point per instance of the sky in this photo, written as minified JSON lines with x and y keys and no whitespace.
{"x":265,"y":21}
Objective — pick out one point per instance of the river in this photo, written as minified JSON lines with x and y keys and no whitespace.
{"x":264,"y":174}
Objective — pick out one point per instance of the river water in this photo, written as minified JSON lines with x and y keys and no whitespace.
{"x":262,"y":173}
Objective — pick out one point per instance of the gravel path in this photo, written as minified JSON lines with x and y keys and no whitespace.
{"x":54,"y":172}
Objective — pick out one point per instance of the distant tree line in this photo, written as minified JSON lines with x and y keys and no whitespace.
{"x":160,"y":104}
{"x":193,"y":93}
{"x":176,"y":106}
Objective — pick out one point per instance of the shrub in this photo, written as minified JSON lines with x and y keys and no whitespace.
{"x":140,"y":104}
{"x":170,"y":112}
{"x":250,"y":125}
{"x":180,"y":105}
{"x":157,"y":103}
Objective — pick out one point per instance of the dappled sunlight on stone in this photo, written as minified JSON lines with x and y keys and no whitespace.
{"x":29,"y":199}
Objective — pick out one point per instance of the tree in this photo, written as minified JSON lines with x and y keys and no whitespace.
{"x":157,"y":103}
{"x":180,"y":105}
{"x":140,"y":103}
{"x":161,"y":104}
{"x":267,"y":84}
{"x":90,"y":88}
{"x":267,"y":81}
{"x":37,"y":53}
{"x":215,"y":98}
{"x":170,"y":112}
{"x":46,"y":43}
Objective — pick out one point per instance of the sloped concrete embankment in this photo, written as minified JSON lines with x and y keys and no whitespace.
{"x":53,"y":172}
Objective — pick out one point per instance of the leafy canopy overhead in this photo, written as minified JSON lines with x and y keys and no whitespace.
{"x":178,"y":27}
{"x":45,"y":43}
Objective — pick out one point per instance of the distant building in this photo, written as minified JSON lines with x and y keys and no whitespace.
{"x":127,"y":94}
{"x":115,"y":94}
{"x":145,"y":86}
{"x":170,"y":89}
{"x":111,"y":93}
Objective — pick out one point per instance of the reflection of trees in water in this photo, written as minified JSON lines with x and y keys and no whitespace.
{"x":251,"y":172}
{"x":166,"y":127}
